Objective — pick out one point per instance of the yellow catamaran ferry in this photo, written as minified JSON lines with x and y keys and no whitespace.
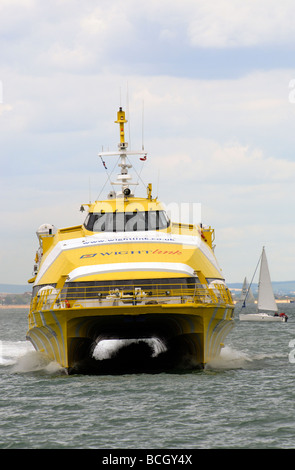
{"x":128,"y":274}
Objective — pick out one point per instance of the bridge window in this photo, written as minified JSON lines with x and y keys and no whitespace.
{"x":126,"y":221}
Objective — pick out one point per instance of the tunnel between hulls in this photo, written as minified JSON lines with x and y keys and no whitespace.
{"x":134,"y":344}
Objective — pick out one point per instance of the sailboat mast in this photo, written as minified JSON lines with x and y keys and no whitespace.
{"x":244,"y":303}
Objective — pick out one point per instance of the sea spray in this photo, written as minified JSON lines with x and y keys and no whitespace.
{"x":11,"y":351}
{"x":230,"y":358}
{"x":21,"y":357}
{"x":34,"y":361}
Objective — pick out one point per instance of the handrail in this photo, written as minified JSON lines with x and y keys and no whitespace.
{"x":95,"y":297}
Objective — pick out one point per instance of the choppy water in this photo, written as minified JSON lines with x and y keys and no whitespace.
{"x":245,"y":399}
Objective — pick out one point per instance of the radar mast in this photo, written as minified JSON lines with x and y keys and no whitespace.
{"x":124,"y":179}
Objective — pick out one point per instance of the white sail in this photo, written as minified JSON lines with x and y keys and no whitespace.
{"x":266,"y":299}
{"x":246,"y":294}
{"x":244,"y":290}
{"x":250,"y":297}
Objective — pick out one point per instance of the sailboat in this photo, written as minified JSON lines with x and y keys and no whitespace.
{"x":247,"y":296}
{"x":267,"y":309}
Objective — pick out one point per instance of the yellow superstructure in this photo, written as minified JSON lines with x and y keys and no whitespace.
{"x":128,"y":273}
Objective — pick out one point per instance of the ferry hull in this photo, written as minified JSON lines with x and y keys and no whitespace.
{"x":191,"y":336}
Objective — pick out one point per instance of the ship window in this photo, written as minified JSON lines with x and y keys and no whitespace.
{"x":126,"y":221}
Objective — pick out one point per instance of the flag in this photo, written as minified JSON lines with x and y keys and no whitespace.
{"x":104,"y":164}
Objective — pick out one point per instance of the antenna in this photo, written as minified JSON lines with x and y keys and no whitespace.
{"x":142,"y":145}
{"x":158,"y":183}
{"x":128,"y":116}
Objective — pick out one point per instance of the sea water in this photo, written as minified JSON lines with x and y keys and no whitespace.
{"x":243,"y":399}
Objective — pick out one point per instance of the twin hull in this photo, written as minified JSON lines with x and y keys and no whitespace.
{"x":129,"y":286}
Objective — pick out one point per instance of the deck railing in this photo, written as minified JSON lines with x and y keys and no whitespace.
{"x":107,"y":296}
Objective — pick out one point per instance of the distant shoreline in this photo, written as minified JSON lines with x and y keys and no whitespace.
{"x":278,"y":301}
{"x":14,"y":306}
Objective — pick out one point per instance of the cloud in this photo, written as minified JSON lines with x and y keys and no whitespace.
{"x":216,"y":163}
{"x":83,"y":37}
{"x":227,"y":24}
{"x":218,"y":122}
{"x":74,"y":59}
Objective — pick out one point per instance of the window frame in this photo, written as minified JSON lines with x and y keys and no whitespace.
{"x":111,"y":222}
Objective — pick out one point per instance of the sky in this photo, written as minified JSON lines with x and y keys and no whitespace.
{"x":209,"y":88}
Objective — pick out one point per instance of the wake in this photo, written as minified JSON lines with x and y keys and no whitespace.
{"x":231,"y":358}
{"x":21,"y":357}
